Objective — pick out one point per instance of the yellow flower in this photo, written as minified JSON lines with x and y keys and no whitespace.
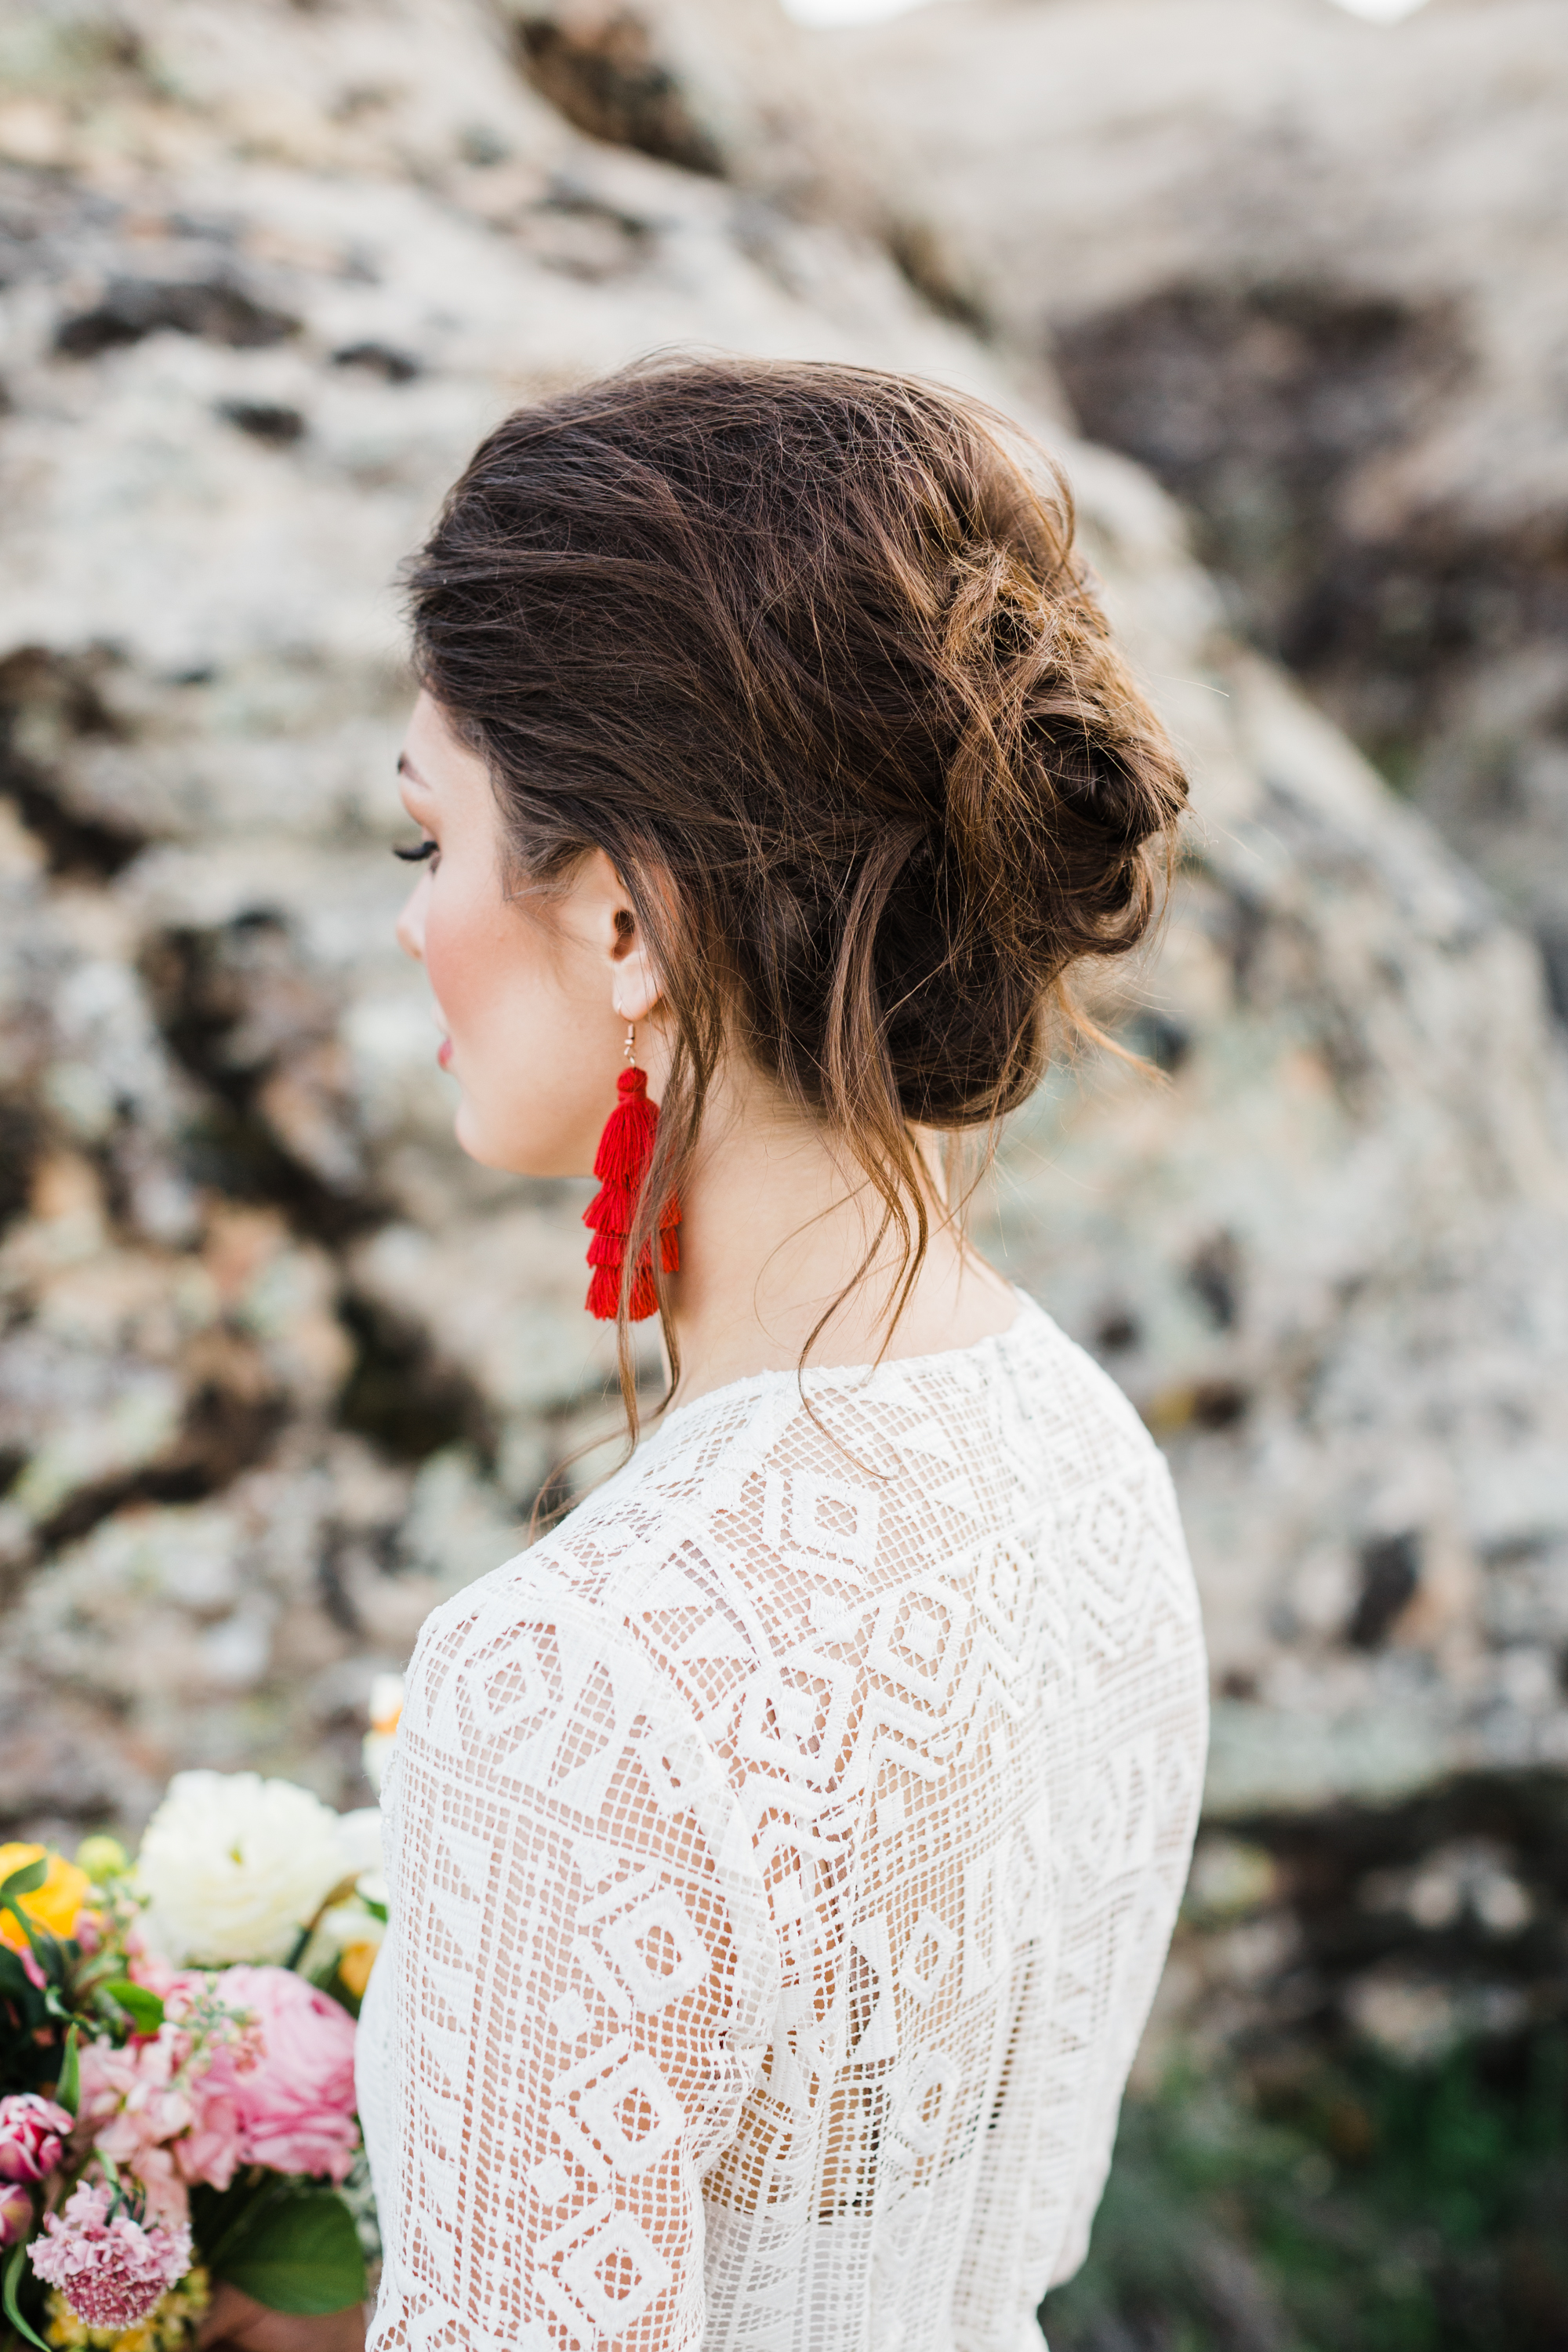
{"x":355,"y":1962}
{"x":54,"y":1905}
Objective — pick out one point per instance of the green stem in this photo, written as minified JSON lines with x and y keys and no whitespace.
{"x":8,"y":2296}
{"x":68,"y":2089}
{"x":338,"y":1894}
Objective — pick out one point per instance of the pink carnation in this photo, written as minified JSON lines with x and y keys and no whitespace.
{"x":296,"y":2106}
{"x":112,"y":2273}
{"x":31,"y":2132}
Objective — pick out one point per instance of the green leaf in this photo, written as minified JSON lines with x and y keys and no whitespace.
{"x":299,"y":2253}
{"x":144,"y":2007}
{"x":8,"y":2296}
{"x":25,"y":1881}
{"x":220,"y":2217}
{"x":68,"y":2089}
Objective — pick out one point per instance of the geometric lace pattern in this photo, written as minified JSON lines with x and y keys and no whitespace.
{"x":782,"y":1855}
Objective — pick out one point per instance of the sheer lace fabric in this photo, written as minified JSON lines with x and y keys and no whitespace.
{"x":783,"y":1855}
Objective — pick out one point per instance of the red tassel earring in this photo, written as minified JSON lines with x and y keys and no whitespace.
{"x":621,"y":1165}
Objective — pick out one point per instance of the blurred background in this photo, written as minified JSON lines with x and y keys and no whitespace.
{"x":1286,"y":286}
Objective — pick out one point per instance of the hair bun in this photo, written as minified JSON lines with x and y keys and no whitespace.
{"x":1099,"y":784}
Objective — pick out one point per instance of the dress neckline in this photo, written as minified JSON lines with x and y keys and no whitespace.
{"x":818,"y":1377}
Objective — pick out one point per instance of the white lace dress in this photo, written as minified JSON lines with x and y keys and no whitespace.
{"x":782,"y":1857}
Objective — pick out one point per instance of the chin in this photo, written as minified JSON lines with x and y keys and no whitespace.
{"x":517,"y":1155}
{"x":485,"y":1149}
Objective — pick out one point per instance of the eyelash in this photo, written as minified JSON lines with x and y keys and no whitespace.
{"x":418,"y":854}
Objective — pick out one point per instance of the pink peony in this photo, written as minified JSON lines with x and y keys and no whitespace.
{"x":31,"y":2131}
{"x":111,"y":2272}
{"x":16,"y":2212}
{"x":296,"y":2106}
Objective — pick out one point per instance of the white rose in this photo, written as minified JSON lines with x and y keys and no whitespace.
{"x":233,"y":1866}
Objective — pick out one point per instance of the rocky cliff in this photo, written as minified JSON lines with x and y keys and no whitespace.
{"x":1311,"y":271}
{"x":278,"y":1369}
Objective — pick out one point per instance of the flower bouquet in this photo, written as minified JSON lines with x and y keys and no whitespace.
{"x":176,"y":2066}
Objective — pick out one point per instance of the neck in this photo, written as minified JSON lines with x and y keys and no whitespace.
{"x":775,"y":1225}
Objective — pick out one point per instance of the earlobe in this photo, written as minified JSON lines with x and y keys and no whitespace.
{"x":635,"y":988}
{"x":636,"y":991}
{"x":636,"y":983}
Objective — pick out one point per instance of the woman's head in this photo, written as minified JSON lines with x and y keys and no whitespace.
{"x":787,"y":682}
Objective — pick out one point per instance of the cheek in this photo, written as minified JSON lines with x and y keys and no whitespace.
{"x":460,"y":947}
{"x":525,"y":1053}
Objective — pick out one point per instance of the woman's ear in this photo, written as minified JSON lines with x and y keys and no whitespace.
{"x":612,"y":924}
{"x":634,"y":987}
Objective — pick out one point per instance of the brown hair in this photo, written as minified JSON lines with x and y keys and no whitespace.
{"x":808,"y":651}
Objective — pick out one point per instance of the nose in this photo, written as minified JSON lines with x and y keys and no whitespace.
{"x":411,"y":921}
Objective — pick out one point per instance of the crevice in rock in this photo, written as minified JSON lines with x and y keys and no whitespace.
{"x":217,"y":309}
{"x":400,"y":1394}
{"x":21,"y":1141}
{"x":384,"y":359}
{"x":1390,"y":1572}
{"x":1353,"y":1875}
{"x":241,"y":1013}
{"x":55,"y":697}
{"x":234,"y":1409}
{"x":272,"y":422}
{"x":600,"y":68}
{"x":1214,"y":1275}
{"x":229,"y":1150}
{"x":925,"y":267}
{"x":1159,"y":1039}
{"x":1282,"y":413}
{"x":1255,"y":404}
{"x":575,"y":232}
{"x":1218,"y":1404}
{"x":334,"y":1585}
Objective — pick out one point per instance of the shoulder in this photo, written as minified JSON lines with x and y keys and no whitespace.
{"x":620,"y":1549}
{"x":1086,"y":1425}
{"x":610,"y":1588}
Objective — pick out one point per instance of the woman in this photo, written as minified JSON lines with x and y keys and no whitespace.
{"x":784,"y":1849}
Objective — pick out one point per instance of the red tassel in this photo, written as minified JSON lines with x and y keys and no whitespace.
{"x":621,"y":1164}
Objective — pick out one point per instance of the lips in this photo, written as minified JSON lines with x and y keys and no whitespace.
{"x":444,"y":1052}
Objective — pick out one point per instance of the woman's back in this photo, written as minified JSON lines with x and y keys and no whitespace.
{"x":783,"y":1857}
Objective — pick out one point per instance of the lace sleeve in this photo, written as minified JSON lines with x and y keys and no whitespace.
{"x":1140,"y":1785}
{"x":584,"y":1978}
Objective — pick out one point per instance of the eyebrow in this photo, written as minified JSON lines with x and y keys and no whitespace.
{"x":406,"y":767}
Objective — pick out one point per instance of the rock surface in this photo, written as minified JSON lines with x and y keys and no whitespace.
{"x":278,"y":1368}
{"x":1312,"y":271}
